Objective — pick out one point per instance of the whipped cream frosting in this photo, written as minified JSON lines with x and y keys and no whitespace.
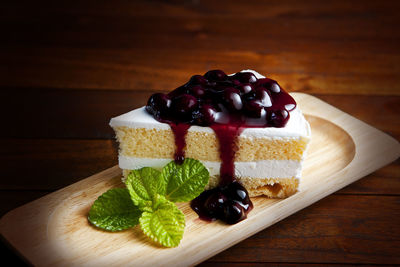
{"x":139,"y":118}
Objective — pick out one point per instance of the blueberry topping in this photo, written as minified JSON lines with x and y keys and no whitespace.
{"x":245,"y":88}
{"x":262,"y":95}
{"x":184,"y":105}
{"x":178,"y":91}
{"x":229,"y":203}
{"x":237,"y":192}
{"x":246,"y":77}
{"x":215,"y":75}
{"x":233,"y":212}
{"x":197,"y":91}
{"x":270,"y":84}
{"x":158,"y":103}
{"x":207,"y":114}
{"x":232,"y":99}
{"x":197,"y":80}
{"x":235,"y":82}
{"x":290,"y":107}
{"x":275,"y":88}
{"x":215,"y":98}
{"x":214,"y":204}
{"x":253,"y":108}
{"x":277,"y":118}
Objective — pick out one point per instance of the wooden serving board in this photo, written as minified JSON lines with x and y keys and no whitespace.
{"x":54,"y":230}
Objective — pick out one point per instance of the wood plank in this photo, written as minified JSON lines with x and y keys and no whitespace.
{"x":381,"y":112}
{"x":139,"y":17}
{"x":338,"y":229}
{"x":45,"y":164}
{"x":329,"y":231}
{"x":182,"y":8}
{"x":308,"y":71}
{"x":325,"y":172}
{"x":85,"y":114}
{"x":334,"y":48}
{"x":385,"y":181}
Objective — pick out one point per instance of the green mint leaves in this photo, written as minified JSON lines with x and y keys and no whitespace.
{"x":184,"y":182}
{"x":143,"y":185}
{"x":114,"y":211}
{"x":164,"y":224}
{"x":149,"y":199}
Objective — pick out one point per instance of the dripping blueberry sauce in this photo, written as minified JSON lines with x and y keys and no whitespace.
{"x":180,"y":131}
{"x":227,"y":104}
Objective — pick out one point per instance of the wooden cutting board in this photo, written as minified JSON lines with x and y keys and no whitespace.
{"x":54,"y":230}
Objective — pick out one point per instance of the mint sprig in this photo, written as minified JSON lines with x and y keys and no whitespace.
{"x":114,"y":211}
{"x":184,"y":182}
{"x":143,"y":185}
{"x":164,"y":224}
{"x":148,"y":199}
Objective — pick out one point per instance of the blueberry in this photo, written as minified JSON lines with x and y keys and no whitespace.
{"x":184,"y":105}
{"x":215,"y":204}
{"x":237,"y":192}
{"x":235,"y":82}
{"x":197,"y":91}
{"x":245,"y":88}
{"x":278,"y":118}
{"x":290,"y":106}
{"x":262,"y":95}
{"x":225,"y":83}
{"x":233,"y":212}
{"x":215,"y":75}
{"x":178,"y":91}
{"x":207,"y":115}
{"x":270,"y":85}
{"x":253,"y":108}
{"x":158,"y":103}
{"x":246,"y":77}
{"x":275,"y":88}
{"x":232,"y":99}
{"x":197,"y":80}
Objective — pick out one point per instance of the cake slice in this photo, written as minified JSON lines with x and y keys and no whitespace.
{"x":271,"y":132}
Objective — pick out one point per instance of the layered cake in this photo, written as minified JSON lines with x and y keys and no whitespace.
{"x":242,"y":127}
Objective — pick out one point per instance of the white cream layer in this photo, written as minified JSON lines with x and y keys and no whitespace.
{"x":257,"y":169}
{"x":139,"y":118}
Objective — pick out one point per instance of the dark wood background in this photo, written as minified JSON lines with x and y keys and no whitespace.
{"x":67,"y":67}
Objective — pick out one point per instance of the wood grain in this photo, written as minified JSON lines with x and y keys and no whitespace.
{"x":343,"y":237}
{"x":336,"y":157}
{"x":339,"y":48}
{"x":52,"y":164}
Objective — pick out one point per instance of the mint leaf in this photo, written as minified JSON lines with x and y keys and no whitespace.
{"x":186,"y":181}
{"x":164,"y":223}
{"x":143,"y":185}
{"x":114,"y":211}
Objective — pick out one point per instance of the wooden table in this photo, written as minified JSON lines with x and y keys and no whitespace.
{"x":67,"y":68}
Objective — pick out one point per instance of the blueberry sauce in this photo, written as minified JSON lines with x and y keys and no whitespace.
{"x":227,"y":104}
{"x":180,"y":131}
